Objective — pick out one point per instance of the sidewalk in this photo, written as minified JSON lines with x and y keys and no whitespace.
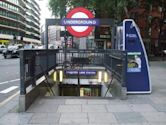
{"x":149,"y":109}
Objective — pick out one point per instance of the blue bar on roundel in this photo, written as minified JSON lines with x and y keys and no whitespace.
{"x":80,"y":22}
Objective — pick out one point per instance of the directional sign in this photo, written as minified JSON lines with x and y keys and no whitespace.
{"x":79,"y":22}
{"x":81,"y":72}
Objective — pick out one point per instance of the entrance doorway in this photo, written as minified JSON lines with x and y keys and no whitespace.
{"x":83,"y":90}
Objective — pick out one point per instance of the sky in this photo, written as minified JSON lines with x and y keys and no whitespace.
{"x":45,"y":13}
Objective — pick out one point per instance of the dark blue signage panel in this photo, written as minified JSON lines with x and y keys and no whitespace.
{"x":81,"y":72}
{"x":137,"y":74}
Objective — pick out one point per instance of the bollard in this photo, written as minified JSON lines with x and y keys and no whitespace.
{"x":123,"y":93}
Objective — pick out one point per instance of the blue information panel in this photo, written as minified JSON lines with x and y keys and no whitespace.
{"x":137,"y":74}
{"x":138,"y":80}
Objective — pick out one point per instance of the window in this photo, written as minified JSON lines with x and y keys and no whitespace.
{"x":0,"y":3}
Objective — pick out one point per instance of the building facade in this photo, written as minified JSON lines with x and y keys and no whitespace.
{"x":19,"y":21}
{"x":54,"y":36}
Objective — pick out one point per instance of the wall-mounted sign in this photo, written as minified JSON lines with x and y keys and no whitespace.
{"x":79,"y":22}
{"x":103,"y":33}
{"x":105,"y":36}
{"x":81,"y":72}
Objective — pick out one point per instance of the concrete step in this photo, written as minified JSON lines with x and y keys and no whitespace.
{"x":75,"y":97}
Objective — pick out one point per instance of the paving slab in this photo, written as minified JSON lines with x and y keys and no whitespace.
{"x":159,"y":100}
{"x":76,"y":101}
{"x":102,"y":118}
{"x":158,"y":123}
{"x":143,"y":99}
{"x":129,"y":117}
{"x":99,"y":101}
{"x":69,"y":108}
{"x":94,"y":108}
{"x":142,"y":108}
{"x":119,"y":108}
{"x":160,"y":107}
{"x":96,"y":124}
{"x":132,"y":124}
{"x":15,"y":118}
{"x":155,"y":116}
{"x":45,"y":118}
{"x":43,"y":108}
{"x":74,"y":118}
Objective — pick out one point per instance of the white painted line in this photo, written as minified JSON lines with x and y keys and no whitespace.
{"x":8,"y":99}
{"x":9,"y":89}
{"x":14,"y":80}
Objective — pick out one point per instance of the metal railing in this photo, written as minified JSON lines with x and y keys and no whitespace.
{"x":116,"y":62}
{"x":95,"y":57}
{"x":33,"y":65}
{"x":36,"y":63}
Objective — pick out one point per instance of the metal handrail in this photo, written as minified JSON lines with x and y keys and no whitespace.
{"x":114,"y":60}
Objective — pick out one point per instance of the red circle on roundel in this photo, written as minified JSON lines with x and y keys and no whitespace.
{"x":85,"y":32}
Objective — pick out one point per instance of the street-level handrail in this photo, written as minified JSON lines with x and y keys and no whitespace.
{"x":114,"y":60}
{"x":30,"y":71}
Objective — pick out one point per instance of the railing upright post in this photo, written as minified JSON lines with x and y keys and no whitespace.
{"x":111,"y":60}
{"x":123,"y":77}
{"x":65,"y":49}
{"x":33,"y":65}
{"x":55,"y":57}
{"x":22,"y":73}
{"x":46,"y":43}
{"x":124,"y":69}
{"x":78,"y":90}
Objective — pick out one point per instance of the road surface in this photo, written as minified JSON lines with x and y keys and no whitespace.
{"x":9,"y":77}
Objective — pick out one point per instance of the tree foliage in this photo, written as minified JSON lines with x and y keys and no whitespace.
{"x":106,"y":7}
{"x":101,"y":8}
{"x":58,"y":7}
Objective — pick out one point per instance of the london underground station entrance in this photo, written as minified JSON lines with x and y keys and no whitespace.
{"x":83,"y":91}
{"x":87,"y":72}
{"x":80,"y":22}
{"x":80,"y":82}
{"x":82,"y":72}
{"x":83,"y":75}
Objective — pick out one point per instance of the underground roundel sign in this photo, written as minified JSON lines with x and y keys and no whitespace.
{"x":79,"y":22}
